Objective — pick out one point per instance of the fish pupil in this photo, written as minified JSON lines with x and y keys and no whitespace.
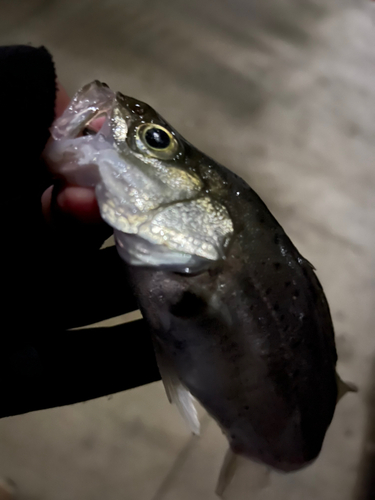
{"x":157,"y":138}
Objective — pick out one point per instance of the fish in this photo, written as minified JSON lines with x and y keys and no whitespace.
{"x":239,"y":319}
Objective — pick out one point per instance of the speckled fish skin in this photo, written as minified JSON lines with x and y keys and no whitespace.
{"x":251,"y":338}
{"x":247,"y":327}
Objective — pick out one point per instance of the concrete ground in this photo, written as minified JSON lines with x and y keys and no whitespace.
{"x":283,"y":93}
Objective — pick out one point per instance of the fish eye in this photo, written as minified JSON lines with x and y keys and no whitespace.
{"x":156,"y":141}
{"x":157,"y":138}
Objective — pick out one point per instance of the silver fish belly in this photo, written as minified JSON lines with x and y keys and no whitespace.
{"x":238,"y":316}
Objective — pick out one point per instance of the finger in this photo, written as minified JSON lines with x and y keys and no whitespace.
{"x":76,"y":202}
{"x":61,"y":102}
{"x":74,"y":218}
{"x":73,"y":201}
{"x":80,"y":203}
{"x":65,"y":205}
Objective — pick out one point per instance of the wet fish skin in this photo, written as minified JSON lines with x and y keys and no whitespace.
{"x":242,"y":322}
{"x":252,"y":338}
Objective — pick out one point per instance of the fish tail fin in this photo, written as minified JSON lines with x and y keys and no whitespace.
{"x":240,"y":476}
{"x":344,"y":387}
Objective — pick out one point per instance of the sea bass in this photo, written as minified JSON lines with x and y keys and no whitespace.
{"x":239,"y":319}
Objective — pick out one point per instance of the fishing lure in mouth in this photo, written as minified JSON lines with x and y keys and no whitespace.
{"x":238,"y":317}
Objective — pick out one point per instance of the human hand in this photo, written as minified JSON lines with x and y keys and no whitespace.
{"x":55,"y":277}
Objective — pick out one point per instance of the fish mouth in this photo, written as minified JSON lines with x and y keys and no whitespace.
{"x":93,"y":126}
{"x":161,"y":215}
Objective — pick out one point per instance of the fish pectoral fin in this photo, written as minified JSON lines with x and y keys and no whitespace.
{"x":177,"y":394}
{"x":344,"y":387}
{"x":240,"y":476}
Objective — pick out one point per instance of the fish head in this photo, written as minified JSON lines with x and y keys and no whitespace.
{"x":147,"y":179}
{"x":137,"y":126}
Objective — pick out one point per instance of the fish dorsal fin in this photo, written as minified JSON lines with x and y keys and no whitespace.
{"x":344,"y":387}
{"x":176,"y":392}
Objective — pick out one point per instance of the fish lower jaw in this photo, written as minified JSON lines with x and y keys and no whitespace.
{"x":137,"y":251}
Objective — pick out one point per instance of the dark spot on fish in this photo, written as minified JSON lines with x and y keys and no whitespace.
{"x":268,"y":291}
{"x":313,"y":292}
{"x":246,"y":408}
{"x":188,"y":306}
{"x":214,"y":271}
{"x":277,"y":265}
{"x":252,"y":307}
{"x":139,"y":110}
{"x":282,"y":317}
{"x":263,"y":263}
{"x":287,"y":283}
{"x":261,"y":221}
{"x":232,"y":346}
{"x":179,"y":345}
{"x":276,"y":307}
{"x":277,"y":239}
{"x":295,"y":294}
{"x":295,"y":342}
{"x":286,"y":328}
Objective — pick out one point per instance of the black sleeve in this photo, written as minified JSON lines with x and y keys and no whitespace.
{"x":44,"y":289}
{"x":28,"y":91}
